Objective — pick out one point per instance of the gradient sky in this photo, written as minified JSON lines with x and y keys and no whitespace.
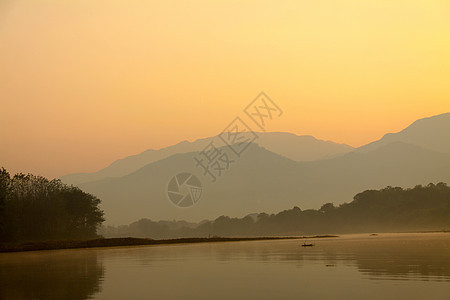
{"x":85,"y":82}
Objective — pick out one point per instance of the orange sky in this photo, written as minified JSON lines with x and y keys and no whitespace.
{"x":83,"y":83}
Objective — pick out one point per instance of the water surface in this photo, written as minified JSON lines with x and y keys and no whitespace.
{"x":387,"y":266}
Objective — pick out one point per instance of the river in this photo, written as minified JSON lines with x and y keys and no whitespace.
{"x":363,"y":266}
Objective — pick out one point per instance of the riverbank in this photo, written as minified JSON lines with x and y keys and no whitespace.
{"x":121,"y":242}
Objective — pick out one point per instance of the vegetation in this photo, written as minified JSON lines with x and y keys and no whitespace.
{"x":389,"y":209}
{"x":33,"y":208}
{"x":114,"y":242}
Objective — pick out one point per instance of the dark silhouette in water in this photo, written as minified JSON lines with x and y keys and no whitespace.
{"x":55,"y":275}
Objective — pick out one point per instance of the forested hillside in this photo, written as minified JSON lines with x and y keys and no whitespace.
{"x":391,"y":209}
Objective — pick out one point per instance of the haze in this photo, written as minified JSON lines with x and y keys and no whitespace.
{"x":83,"y":83}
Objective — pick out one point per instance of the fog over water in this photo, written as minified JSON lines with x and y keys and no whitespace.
{"x":386,"y":266}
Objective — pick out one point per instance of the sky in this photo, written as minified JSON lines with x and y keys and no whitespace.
{"x":83,"y":83}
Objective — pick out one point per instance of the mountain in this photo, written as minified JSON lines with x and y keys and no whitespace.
{"x":431,"y":133}
{"x":396,"y":164}
{"x":299,"y":148}
{"x":284,"y":170}
{"x":262,"y":181}
{"x":129,"y":164}
{"x":143,"y":193}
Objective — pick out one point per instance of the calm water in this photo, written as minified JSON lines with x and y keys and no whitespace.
{"x":388,"y":266}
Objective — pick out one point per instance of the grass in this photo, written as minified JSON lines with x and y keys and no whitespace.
{"x":129,"y":241}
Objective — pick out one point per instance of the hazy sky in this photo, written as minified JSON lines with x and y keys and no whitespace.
{"x":83,"y":83}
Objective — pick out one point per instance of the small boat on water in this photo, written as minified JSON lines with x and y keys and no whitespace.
{"x":307,"y":245}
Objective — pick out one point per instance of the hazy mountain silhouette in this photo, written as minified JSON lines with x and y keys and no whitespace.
{"x":430,"y":133}
{"x":265,"y":181}
{"x":143,"y":193}
{"x":262,"y":181}
{"x":396,"y":164}
{"x":299,"y":148}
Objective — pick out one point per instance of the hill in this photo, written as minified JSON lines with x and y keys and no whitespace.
{"x":430,"y":133}
{"x":264,"y":181}
{"x":391,"y":209}
{"x":299,"y":148}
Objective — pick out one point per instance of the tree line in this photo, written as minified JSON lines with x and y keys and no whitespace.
{"x":34,"y":208}
{"x":391,"y":209}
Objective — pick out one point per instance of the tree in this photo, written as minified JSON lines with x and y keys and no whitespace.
{"x":327,"y":207}
{"x":33,"y":208}
{"x":4,"y":184}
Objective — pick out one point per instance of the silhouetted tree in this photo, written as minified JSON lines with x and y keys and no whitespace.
{"x":327,"y":208}
{"x":4,"y":183}
{"x":35,"y":208}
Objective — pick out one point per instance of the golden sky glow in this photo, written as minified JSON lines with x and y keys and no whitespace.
{"x":83,"y":83}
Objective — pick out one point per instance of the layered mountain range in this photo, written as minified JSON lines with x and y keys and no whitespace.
{"x":278,"y":171}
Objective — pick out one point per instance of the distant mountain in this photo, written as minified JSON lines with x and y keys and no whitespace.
{"x":264,"y":181}
{"x":129,"y":164}
{"x":284,"y":170}
{"x":299,"y":148}
{"x":396,"y":164}
{"x":143,"y":193}
{"x":431,"y":133}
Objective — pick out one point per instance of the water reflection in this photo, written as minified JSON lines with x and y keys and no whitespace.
{"x":387,"y":256}
{"x":50,"y":275}
{"x":388,"y":265}
{"x":418,"y":259}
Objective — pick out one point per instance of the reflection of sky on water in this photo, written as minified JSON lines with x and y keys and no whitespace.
{"x":407,"y":266}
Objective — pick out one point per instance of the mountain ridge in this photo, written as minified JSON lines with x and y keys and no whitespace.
{"x":430,"y":133}
{"x":264,"y":181}
{"x":297,"y":147}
